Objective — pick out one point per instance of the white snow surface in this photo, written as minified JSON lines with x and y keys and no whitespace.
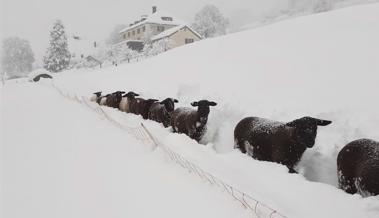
{"x":62,"y":160}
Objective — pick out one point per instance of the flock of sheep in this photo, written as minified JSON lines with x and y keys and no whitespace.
{"x":263,"y":139}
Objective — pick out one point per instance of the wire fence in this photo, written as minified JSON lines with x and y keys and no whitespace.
{"x":141,"y":133}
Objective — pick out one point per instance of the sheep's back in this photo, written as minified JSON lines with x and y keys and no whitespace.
{"x":155,"y":111}
{"x":359,"y":159}
{"x":182,"y":118}
{"x":103,"y":100}
{"x":255,"y":126}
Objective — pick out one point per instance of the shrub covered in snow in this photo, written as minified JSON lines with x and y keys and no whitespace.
{"x":209,"y":22}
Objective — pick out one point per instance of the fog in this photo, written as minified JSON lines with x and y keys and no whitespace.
{"x":94,"y":19}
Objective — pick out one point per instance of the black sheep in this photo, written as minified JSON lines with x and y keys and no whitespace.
{"x":192,"y":122}
{"x":358,"y":167}
{"x":102,"y":99}
{"x":140,"y":106}
{"x":125,"y":101}
{"x":95,"y":96}
{"x":161,"y":111}
{"x":278,"y":142}
{"x":114,"y":99}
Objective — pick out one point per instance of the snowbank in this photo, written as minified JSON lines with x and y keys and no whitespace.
{"x":62,"y":160}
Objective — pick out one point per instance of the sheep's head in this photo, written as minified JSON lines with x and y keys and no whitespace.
{"x":98,"y":94}
{"x":149,"y":102}
{"x":169,"y":104}
{"x":203,"y":108}
{"x":306,"y":130}
{"x":118,"y":95}
{"x":130,"y":95}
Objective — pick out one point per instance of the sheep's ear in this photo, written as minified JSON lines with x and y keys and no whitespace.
{"x":195,"y":103}
{"x":175,"y":100}
{"x":212,"y":103}
{"x":323,"y":122}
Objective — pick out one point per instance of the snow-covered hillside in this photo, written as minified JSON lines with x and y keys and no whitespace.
{"x":61,"y":160}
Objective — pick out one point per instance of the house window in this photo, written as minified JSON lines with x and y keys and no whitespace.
{"x":143,"y":29}
{"x":138,"y":31}
{"x":167,"y":18}
{"x":128,"y":34}
{"x":134,"y":32}
{"x":187,"y":41}
{"x":160,"y":28}
{"x":124,"y":36}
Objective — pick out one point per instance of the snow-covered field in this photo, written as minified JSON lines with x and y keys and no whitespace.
{"x":61,"y":160}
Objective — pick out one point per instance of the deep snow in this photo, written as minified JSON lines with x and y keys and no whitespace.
{"x":324,"y":65}
{"x":61,"y":160}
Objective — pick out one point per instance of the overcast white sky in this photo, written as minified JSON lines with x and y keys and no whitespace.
{"x":94,"y":19}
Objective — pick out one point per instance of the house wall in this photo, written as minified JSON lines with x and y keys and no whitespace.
{"x":151,"y":29}
{"x":137,"y":36}
{"x":179,"y":38}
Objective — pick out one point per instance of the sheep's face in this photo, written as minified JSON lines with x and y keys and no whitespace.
{"x":98,"y":94}
{"x":169,"y":104}
{"x":118,"y":95}
{"x":306,"y":130}
{"x":203,"y":107}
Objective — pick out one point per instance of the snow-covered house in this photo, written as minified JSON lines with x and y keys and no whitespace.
{"x":156,"y":26}
{"x":177,"y":36}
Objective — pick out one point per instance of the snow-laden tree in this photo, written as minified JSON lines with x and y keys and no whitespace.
{"x":114,"y":36}
{"x":122,"y":53}
{"x":157,"y":47}
{"x":209,"y":22}
{"x":17,"y":57}
{"x":57,"y":56}
{"x":322,"y":5}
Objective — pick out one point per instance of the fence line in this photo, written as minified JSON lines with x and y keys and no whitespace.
{"x":257,"y":208}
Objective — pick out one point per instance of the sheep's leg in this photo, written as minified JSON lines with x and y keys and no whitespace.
{"x":291,"y":170}
{"x":191,"y":133}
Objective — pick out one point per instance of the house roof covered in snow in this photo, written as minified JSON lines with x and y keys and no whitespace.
{"x":173,"y":30}
{"x":158,"y":17}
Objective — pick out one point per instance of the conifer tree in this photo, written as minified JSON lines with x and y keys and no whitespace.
{"x":57,"y":56}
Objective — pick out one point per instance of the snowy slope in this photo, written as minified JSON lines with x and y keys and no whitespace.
{"x":61,"y":160}
{"x":323,"y":65}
